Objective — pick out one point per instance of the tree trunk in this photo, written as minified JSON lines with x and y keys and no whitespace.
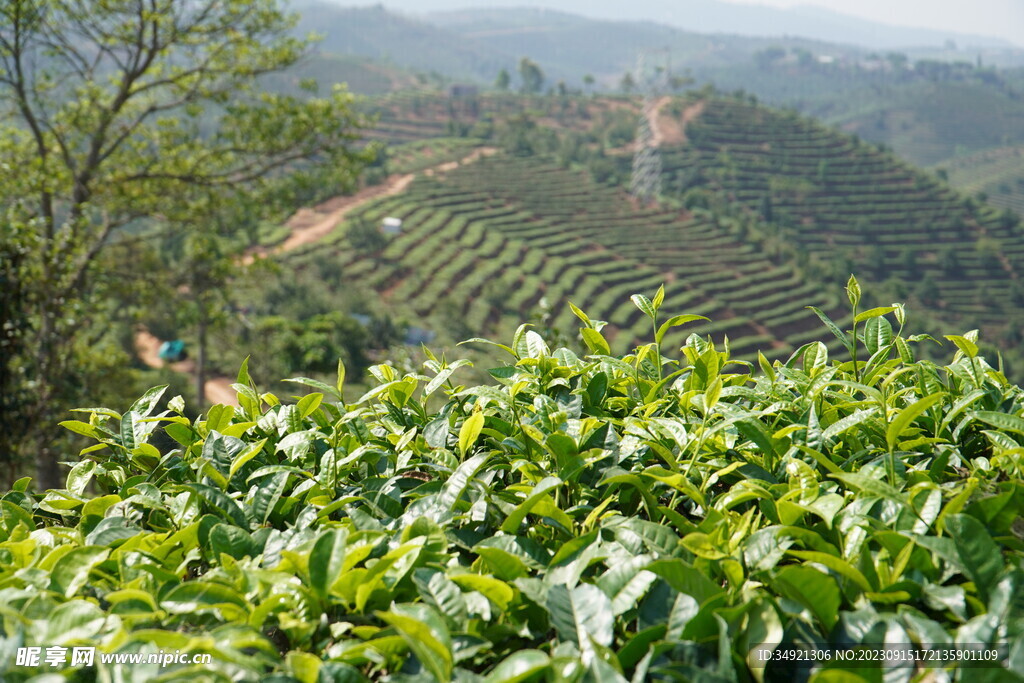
{"x":201,"y":364}
{"x":48,"y":472}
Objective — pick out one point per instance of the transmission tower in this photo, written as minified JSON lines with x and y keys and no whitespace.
{"x":645,"y":183}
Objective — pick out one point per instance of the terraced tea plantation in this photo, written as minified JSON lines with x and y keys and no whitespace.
{"x":495,"y":236}
{"x":781,"y":210}
{"x":412,"y":115}
{"x":998,"y":173}
{"x":836,"y":198}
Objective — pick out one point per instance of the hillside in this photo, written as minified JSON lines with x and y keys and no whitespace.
{"x":361,"y":75}
{"x":928,"y":105}
{"x":607,"y":49}
{"x":928,"y":123}
{"x":407,"y":42}
{"x":483,"y":244}
{"x":997,"y":173}
{"x":747,"y":19}
{"x":766,"y":212}
{"x":857,"y":208}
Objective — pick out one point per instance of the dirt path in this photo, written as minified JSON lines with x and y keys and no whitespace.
{"x":311,"y":225}
{"x":654,"y":121}
{"x":666,"y":129}
{"x":307,"y":226}
{"x":217,"y":389}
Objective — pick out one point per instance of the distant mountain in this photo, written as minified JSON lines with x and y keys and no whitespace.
{"x":476,"y":44}
{"x":713,"y":16}
{"x":411,"y":43}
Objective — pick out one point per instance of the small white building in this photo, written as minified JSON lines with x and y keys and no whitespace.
{"x":391,"y":226}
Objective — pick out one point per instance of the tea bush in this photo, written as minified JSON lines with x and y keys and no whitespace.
{"x":657,"y":516}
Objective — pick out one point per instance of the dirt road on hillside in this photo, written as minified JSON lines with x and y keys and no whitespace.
{"x":669,"y":130}
{"x":666,"y":129}
{"x":312,"y":225}
{"x":307,"y":226}
{"x":216,"y":389}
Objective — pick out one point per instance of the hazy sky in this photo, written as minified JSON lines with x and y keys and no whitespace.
{"x":1002,"y":18}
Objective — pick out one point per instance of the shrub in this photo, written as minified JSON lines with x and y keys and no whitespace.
{"x":654,"y":516}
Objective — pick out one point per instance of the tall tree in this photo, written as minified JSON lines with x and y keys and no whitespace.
{"x":531,"y":76}
{"x":628,"y":84}
{"x":116,"y":114}
{"x":503,"y":80}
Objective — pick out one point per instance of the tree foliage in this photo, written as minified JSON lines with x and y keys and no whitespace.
{"x":503,"y":80}
{"x":120,"y":114}
{"x":531,"y":76}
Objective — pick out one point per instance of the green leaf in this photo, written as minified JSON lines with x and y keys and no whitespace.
{"x":645,"y":305}
{"x":873,"y":313}
{"x":581,"y":614}
{"x":626,"y":582}
{"x":71,"y":571}
{"x":873,"y":487}
{"x":193,"y":595}
{"x":481,"y":340}
{"x":1004,"y":421}
{"x":469,"y":433}
{"x":438,"y":380}
{"x":307,"y":404}
{"x":877,"y":334}
{"x":145,"y":405}
{"x":225,"y":505}
{"x":595,"y":341}
{"x":243,"y":373}
{"x":659,"y":297}
{"x":440,"y":591}
{"x":766,"y":367}
{"x":326,"y":560}
{"x":495,"y":590}
{"x":519,"y":666}
{"x":836,"y":564}
{"x":839,"y":334}
{"x":978,"y":552}
{"x":303,"y":666}
{"x":816,"y":591}
{"x":685,"y":579}
{"x":753,"y":429}
{"x":966,"y":346}
{"x":425,"y":633}
{"x":512,"y":522}
{"x":245,"y":456}
{"x":844,"y":424}
{"x":315,"y":384}
{"x":85,"y":429}
{"x":853,"y":290}
{"x":907,"y":416}
{"x":133,"y":432}
{"x":80,"y":476}
{"x":112,"y":531}
{"x":231,"y":541}
{"x":674,"y":321}
{"x":459,"y":479}
{"x":340,"y":382}
{"x":580,"y":314}
{"x":532,"y":345}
